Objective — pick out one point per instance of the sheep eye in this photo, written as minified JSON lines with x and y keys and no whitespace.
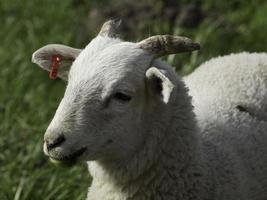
{"x":122,"y":97}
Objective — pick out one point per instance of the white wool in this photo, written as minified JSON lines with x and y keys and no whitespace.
{"x":218,"y":87}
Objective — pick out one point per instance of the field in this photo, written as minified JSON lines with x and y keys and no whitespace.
{"x":28,"y":99}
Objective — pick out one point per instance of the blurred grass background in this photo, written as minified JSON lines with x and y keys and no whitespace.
{"x":28,"y":99}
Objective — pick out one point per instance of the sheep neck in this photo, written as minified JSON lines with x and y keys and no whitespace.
{"x":169,"y":156}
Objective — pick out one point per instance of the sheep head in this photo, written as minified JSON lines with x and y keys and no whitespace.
{"x":113,"y":91}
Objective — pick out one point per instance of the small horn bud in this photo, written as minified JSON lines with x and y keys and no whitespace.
{"x":110,"y":28}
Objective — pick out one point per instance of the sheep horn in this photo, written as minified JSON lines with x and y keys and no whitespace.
{"x":109,"y":28}
{"x":161,"y":45}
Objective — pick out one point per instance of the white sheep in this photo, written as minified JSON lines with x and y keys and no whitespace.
{"x":129,"y":115}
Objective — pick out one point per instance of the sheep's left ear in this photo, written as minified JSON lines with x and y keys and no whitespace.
{"x":159,"y":83}
{"x":43,"y":58}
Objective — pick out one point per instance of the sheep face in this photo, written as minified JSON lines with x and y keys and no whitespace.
{"x":112,"y":94}
{"x":101,"y":113}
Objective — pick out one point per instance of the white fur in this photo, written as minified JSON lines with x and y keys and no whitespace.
{"x":152,"y":147}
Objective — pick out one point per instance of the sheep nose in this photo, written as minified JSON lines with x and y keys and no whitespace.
{"x":54,"y":142}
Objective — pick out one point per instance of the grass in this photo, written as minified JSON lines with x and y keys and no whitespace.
{"x":28,"y":99}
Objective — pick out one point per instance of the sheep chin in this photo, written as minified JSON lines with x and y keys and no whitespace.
{"x":65,"y":163}
{"x":68,"y":160}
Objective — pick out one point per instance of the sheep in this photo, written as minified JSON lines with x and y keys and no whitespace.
{"x":131,"y":118}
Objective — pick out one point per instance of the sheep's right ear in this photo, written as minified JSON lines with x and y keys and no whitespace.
{"x":159,"y":84}
{"x":43,"y":58}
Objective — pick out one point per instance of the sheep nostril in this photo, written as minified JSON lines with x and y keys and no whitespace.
{"x":50,"y":144}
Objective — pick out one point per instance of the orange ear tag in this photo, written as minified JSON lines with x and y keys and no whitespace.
{"x":55,"y":63}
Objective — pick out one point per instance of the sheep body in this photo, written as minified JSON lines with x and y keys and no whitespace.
{"x":230,"y":102}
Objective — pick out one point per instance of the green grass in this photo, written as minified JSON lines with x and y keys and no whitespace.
{"x":28,"y":99}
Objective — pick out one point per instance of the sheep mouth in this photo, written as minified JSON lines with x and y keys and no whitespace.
{"x":68,"y":159}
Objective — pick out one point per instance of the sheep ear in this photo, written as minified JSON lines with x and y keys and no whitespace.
{"x":159,"y":83}
{"x":43,"y":58}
